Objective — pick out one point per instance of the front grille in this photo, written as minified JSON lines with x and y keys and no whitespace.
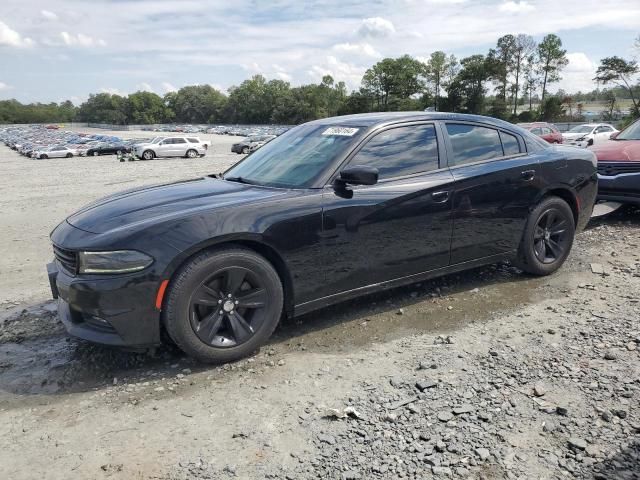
{"x":611,"y":169}
{"x":67,"y":258}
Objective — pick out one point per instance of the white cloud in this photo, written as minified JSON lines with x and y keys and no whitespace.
{"x":167,"y":87}
{"x":49,"y":15}
{"x":284,"y":76}
{"x":363,"y":49}
{"x":4,"y":86}
{"x":111,"y":91}
{"x":341,"y":71}
{"x":578,"y":74}
{"x":11,"y":38}
{"x":516,"y":7}
{"x":81,"y":40}
{"x":376,"y":27}
{"x":145,"y":87}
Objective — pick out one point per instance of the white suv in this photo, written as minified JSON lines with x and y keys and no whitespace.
{"x":190,"y":147}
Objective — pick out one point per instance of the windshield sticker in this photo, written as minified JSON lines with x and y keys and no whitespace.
{"x":341,"y":131}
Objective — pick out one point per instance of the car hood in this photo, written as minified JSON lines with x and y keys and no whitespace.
{"x":571,"y":136}
{"x":132,"y":208}
{"x":618,"y":151}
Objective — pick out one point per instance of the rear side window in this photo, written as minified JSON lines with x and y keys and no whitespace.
{"x":472,"y":143}
{"x":179,"y":140}
{"x":401,"y":151}
{"x":510,"y":144}
{"x":193,"y":140}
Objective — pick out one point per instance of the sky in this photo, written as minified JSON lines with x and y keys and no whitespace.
{"x":54,"y":50}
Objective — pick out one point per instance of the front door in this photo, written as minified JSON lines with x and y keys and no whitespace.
{"x":400,"y":226}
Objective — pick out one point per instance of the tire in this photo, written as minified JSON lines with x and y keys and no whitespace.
{"x":245,"y":150}
{"x":96,"y":154}
{"x":148,"y":155}
{"x":69,"y":155}
{"x":212,"y":331}
{"x":542,"y":251}
{"x":119,"y":152}
{"x":192,"y":153}
{"x":44,"y":157}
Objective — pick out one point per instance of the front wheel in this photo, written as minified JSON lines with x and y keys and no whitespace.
{"x":223,"y":305}
{"x":69,"y":155}
{"x":548,"y":237}
{"x":147,"y":155}
{"x":95,"y":154}
{"x":192,"y":154}
{"x":245,"y":150}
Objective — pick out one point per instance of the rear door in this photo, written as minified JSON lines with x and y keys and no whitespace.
{"x":496,"y":182}
{"x":179,"y":147}
{"x":400,"y":226}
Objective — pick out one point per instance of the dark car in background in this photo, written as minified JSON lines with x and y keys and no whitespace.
{"x":619,"y":166}
{"x":330,"y":210}
{"x":547,"y":131}
{"x":108,"y":149}
{"x":251,"y":144}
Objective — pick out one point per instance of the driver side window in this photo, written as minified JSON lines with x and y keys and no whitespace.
{"x":400,"y":151}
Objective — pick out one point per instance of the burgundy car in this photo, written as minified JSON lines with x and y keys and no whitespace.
{"x":619,"y":166}
{"x":544,"y":130}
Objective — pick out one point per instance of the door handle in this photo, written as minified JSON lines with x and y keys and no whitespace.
{"x":440,"y":197}
{"x":528,"y":175}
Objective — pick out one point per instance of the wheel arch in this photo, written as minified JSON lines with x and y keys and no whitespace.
{"x":566,"y":194}
{"x":257,"y":245}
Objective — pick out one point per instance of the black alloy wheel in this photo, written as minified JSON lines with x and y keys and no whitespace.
{"x":551,"y":237}
{"x":223,"y":304}
{"x":547,"y":238}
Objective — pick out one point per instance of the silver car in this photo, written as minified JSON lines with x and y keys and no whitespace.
{"x":190,"y":147}
{"x":53,"y":152}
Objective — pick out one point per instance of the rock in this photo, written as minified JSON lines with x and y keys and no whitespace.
{"x":607,"y":416}
{"x":562,"y":410}
{"x":620,"y":413}
{"x":391,"y":418}
{"x":610,"y":355}
{"x":597,"y":269}
{"x":461,"y":410}
{"x":441,"y":471}
{"x":330,"y":439}
{"x":351,"y":475}
{"x":577,"y":443}
{"x":549,"y":426}
{"x":445,"y":416}
{"x":539,"y":390}
{"x":422,"y":385}
{"x":482,"y":453}
{"x":401,"y":311}
{"x":441,"y":446}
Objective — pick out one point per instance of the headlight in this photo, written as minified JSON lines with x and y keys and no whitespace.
{"x":118,"y":261}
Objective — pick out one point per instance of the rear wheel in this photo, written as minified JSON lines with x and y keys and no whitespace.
{"x":69,"y":155}
{"x":245,"y":150}
{"x":192,"y":153}
{"x":548,"y":237}
{"x":148,"y":155}
{"x":43,"y":156}
{"x":95,"y":154}
{"x":223,"y":305}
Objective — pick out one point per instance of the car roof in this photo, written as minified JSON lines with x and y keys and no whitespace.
{"x":383,"y":118}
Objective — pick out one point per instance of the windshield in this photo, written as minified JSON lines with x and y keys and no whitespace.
{"x":156,"y":140}
{"x":632,"y":132}
{"x":581,"y":129}
{"x":296,"y":158}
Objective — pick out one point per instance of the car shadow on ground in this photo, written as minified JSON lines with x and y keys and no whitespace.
{"x":625,"y":465}
{"x":38,"y":358}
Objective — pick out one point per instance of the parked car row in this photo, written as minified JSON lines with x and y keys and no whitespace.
{"x":42,"y":142}
{"x":236,"y":130}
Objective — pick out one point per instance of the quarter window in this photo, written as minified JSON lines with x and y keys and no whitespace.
{"x":401,"y":151}
{"x":510,"y":144}
{"x":179,"y":140}
{"x":472,"y":143}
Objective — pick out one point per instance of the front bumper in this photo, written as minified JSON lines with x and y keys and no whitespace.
{"x":116,"y":310}
{"x":623,"y":188}
{"x":577,"y":143}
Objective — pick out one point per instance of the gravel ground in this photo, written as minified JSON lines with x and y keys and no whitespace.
{"x":486,"y":374}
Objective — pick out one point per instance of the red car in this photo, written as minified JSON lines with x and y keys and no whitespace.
{"x":619,"y":166}
{"x":545,"y":130}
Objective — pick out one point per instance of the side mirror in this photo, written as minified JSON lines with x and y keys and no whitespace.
{"x":614,"y":135}
{"x":359,"y":175}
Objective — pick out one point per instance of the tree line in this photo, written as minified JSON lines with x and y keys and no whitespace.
{"x":511,"y":81}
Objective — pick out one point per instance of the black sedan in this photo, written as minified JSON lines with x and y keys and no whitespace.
{"x":109,"y":149}
{"x":330,"y":210}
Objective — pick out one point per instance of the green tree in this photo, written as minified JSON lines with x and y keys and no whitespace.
{"x":146,"y":108}
{"x":620,"y":72}
{"x":551,"y":60}
{"x":467,"y":91}
{"x":197,"y":104}
{"x":500,"y":62}
{"x":401,"y":77}
{"x":439,"y":72}
{"x":525,"y":46}
{"x":104,"y":108}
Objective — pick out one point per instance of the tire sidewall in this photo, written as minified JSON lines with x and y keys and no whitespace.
{"x":191,"y":276}
{"x":527,"y":259}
